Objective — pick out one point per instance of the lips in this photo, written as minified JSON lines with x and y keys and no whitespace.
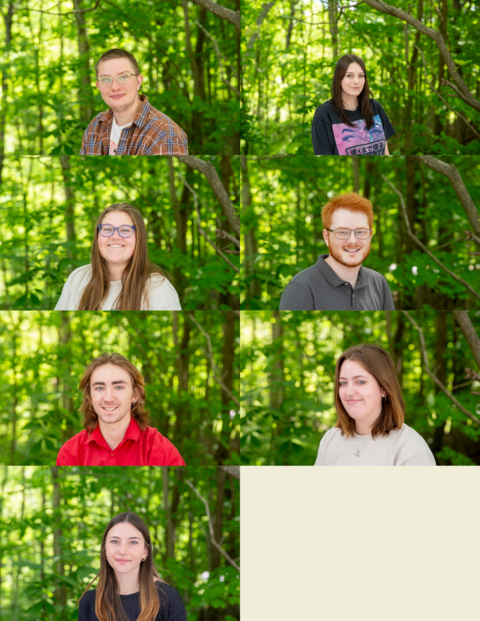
{"x":116,"y":246}
{"x":116,"y":96}
{"x":109,"y":409}
{"x":122,"y":561}
{"x":352,"y":250}
{"x":352,"y":402}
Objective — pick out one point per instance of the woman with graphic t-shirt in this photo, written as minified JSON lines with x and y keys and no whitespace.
{"x":351,"y":123}
{"x":120,"y":276}
{"x":370,"y":430}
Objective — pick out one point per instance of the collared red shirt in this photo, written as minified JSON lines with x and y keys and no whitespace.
{"x":138,"y":448}
{"x":151,"y":133}
{"x":320,"y":288}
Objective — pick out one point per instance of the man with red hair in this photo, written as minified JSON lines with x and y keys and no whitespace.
{"x":338,"y":281}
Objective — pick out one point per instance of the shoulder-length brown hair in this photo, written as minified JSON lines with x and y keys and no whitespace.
{"x":108,"y":605}
{"x":135,"y":277}
{"x":364,"y":97}
{"x":139,"y":413}
{"x":376,"y":361}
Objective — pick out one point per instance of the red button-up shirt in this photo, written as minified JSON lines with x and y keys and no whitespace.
{"x":138,"y":448}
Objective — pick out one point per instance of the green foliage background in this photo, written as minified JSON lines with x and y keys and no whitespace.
{"x":50,"y":95}
{"x":282,"y":226}
{"x":288,"y":367}
{"x":44,"y":354}
{"x":289,"y":61}
{"x":48,"y":210}
{"x":52,"y":522}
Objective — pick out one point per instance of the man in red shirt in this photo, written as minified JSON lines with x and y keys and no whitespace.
{"x":116,"y":430}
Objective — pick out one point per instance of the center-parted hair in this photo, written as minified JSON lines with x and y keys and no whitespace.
{"x":353,"y":202}
{"x":376,"y":361}
{"x":117,"y":53}
{"x":364,"y":97}
{"x":139,"y":413}
{"x":108,"y":605}
{"x":136,"y":275}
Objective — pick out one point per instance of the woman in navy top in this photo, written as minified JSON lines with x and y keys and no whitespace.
{"x":351,"y":123}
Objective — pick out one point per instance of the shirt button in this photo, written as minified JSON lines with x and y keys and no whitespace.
{"x":346,"y":283}
{"x":353,"y":296}
{"x":112,"y":455}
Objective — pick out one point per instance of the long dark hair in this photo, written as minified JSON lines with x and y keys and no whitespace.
{"x":378,"y":363}
{"x":364,"y":97}
{"x":135,"y":277}
{"x":108,"y":605}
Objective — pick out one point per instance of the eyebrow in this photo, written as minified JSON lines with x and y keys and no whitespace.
{"x":115,"y":537}
{"x":113,"y":383}
{"x":355,"y":377}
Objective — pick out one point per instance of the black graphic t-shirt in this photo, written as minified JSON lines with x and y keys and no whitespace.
{"x":332,"y":137}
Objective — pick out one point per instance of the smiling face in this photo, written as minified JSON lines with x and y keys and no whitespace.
{"x":112,"y":393}
{"x":353,"y":81}
{"x":119,"y":97}
{"x":125,"y":548}
{"x":360,"y":394}
{"x":117,"y":251}
{"x":350,"y":252}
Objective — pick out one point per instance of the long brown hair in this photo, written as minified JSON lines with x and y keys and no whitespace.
{"x":135,"y":277}
{"x":364,"y":97}
{"x":90,"y":418}
{"x":376,"y":361}
{"x":108,"y":605}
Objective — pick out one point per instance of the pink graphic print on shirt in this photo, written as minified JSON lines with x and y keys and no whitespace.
{"x":359,"y":140}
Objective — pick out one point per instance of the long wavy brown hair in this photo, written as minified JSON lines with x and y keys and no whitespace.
{"x":364,"y":97}
{"x":90,"y":418}
{"x":376,"y":361}
{"x":135,"y":277}
{"x":108,"y":605}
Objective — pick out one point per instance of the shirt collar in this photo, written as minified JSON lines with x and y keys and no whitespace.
{"x":333,"y":278}
{"x":133,"y":433}
{"x":139,"y":119}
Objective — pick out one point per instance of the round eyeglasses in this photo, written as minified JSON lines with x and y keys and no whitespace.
{"x":345,"y":233}
{"x":107,"y":230}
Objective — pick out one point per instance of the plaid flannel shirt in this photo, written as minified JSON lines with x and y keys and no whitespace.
{"x":151,"y":133}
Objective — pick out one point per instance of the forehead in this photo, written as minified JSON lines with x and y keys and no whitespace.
{"x":124,"y":530}
{"x":349,"y":219}
{"x":117,"y":218}
{"x":114,"y":66}
{"x":354,"y":68}
{"x":109,"y":373}
{"x":351,"y":368}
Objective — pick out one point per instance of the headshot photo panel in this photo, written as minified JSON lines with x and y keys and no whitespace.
{"x":360,"y":235}
{"x":365,"y":78}
{"x":392,"y":388}
{"x":120,"y":543}
{"x":119,"y":389}
{"x":131,"y":234}
{"x":132,"y":78}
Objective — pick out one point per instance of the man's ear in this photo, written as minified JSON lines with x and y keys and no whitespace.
{"x":139,"y":81}
{"x":325,"y":236}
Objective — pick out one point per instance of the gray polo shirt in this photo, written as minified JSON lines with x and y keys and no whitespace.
{"x":320,"y":288}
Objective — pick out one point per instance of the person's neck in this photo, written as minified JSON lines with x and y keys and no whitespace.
{"x":115,"y":432}
{"x":349,"y":274}
{"x":115,"y":271}
{"x":350,"y":102}
{"x":124,"y":117}
{"x":128,"y":584}
{"x":362,"y":430}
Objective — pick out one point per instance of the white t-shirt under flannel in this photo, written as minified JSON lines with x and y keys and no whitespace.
{"x":402,"y":447}
{"x":115,"y":136}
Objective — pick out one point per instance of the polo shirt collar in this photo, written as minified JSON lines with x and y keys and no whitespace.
{"x":139,"y":119}
{"x":133,"y":433}
{"x":333,"y":278}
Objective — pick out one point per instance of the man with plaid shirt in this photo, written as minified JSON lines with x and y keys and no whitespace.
{"x":131,"y":126}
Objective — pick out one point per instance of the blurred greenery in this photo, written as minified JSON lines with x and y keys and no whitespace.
{"x":49,"y":206}
{"x":44,"y":354}
{"x":48,"y":69}
{"x":289,"y":59}
{"x":288,"y":366}
{"x":52,"y":522}
{"x":282,"y":226}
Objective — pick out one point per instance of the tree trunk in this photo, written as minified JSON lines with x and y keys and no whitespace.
{"x":332,"y":17}
{"x":250,"y":222}
{"x":224,"y":448}
{"x":59,"y":591}
{"x":440,"y":371}
{"x":86,"y":93}
{"x":8,"y":19}
{"x":69,"y":204}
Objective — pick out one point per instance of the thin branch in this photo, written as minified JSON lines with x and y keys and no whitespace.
{"x":224,"y":80}
{"x":459,"y":114}
{"x":463,"y":319}
{"x":424,"y":248}
{"x":62,"y":14}
{"x":233,"y":471}
{"x":210,"y":357}
{"x":200,"y":229}
{"x":220,"y":11}
{"x":268,"y":157}
{"x":432,"y":375}
{"x":302,"y":21}
{"x":210,"y":527}
{"x":224,"y":235}
{"x":263,"y":13}
{"x":471,"y":237}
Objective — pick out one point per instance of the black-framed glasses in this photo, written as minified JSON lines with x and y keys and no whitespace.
{"x":107,"y":230}
{"x":345,"y":233}
{"x":122,"y":78}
